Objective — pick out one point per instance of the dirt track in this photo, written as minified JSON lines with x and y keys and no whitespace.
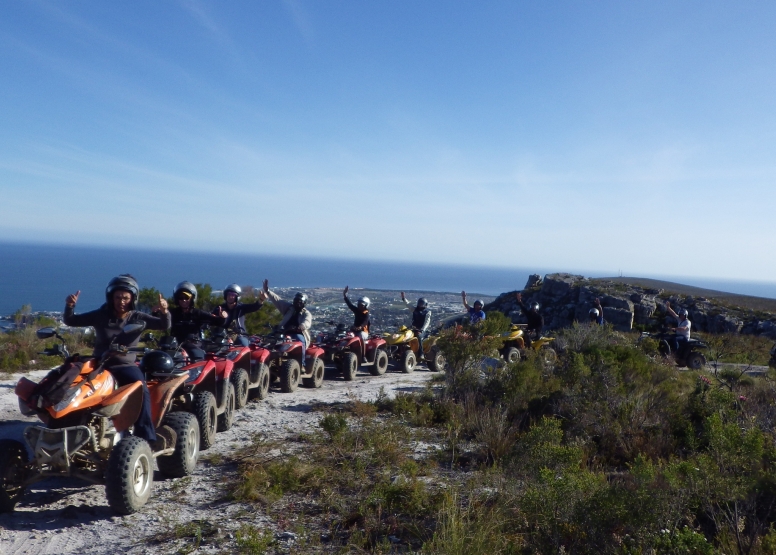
{"x":66,"y":516}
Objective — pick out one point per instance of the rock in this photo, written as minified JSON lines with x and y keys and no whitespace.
{"x":620,"y":318}
{"x":534,"y":280}
{"x":558,"y":285}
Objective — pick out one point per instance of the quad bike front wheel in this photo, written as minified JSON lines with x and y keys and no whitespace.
{"x":206,"y":412}
{"x":226,"y":418}
{"x":695,"y":360}
{"x":129,"y":477}
{"x":436,"y":360}
{"x":381,"y":363}
{"x":183,"y":461}
{"x":13,"y":471}
{"x":349,"y":366}
{"x":240,"y":380}
{"x":261,"y":391}
{"x":316,"y":380}
{"x":408,"y":362}
{"x":289,"y":375}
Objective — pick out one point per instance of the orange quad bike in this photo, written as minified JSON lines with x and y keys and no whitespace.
{"x":86,"y":419}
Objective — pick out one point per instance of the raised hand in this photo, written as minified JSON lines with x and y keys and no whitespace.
{"x":403,"y":297}
{"x":222,"y":314}
{"x":266,"y":286}
{"x":262,"y":296}
{"x":519,"y":297}
{"x":463,"y":295}
{"x":162,"y":306}
{"x":345,"y":292}
{"x":72,"y":299}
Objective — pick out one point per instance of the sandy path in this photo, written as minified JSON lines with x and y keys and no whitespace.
{"x":66,"y":516}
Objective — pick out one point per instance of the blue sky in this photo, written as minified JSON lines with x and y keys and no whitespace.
{"x":588,"y":136}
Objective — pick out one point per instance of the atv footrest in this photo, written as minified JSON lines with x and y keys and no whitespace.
{"x":54,"y":448}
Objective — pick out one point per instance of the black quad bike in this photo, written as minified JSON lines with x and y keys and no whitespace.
{"x":689,"y":354}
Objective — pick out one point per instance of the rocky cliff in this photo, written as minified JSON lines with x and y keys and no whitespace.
{"x":565,"y":298}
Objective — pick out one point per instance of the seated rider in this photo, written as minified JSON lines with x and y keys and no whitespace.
{"x":597,"y":313}
{"x":108,"y":321}
{"x":236,"y":311}
{"x":297,"y":320}
{"x":187,"y":320}
{"x":681,"y":331}
{"x":476,"y":314}
{"x":361,"y":319}
{"x":535,"y":320}
{"x":421,"y":322}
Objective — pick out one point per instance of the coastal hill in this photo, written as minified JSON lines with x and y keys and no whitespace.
{"x":639,"y":304}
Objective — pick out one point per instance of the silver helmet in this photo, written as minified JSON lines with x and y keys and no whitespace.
{"x":363,"y":301}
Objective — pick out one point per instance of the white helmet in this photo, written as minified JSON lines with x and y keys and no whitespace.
{"x":594,"y":312}
{"x":363,"y":301}
{"x":535,"y":306}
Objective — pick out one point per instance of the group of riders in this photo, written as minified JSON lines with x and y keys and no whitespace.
{"x":184,"y":322}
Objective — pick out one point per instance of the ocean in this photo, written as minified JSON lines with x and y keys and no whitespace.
{"x":43,"y":275}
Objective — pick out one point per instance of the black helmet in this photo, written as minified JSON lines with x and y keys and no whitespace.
{"x":185,"y":286}
{"x":124,"y":282}
{"x":422,"y":303}
{"x":300,"y":300}
{"x":233,"y":288}
{"x":157,"y":361}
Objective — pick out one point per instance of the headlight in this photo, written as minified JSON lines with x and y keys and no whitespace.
{"x":194,"y":373}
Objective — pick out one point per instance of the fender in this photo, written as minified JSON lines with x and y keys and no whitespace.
{"x":162,"y":394}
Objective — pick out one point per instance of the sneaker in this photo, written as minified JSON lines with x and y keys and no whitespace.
{"x":165,"y":438}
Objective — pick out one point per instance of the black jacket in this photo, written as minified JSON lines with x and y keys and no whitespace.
{"x":535,"y":320}
{"x":362,"y":318}
{"x":235,"y":320}
{"x":107,"y":326}
{"x":187,"y":325}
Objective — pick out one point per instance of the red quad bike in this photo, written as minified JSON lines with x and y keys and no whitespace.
{"x":347,"y":351}
{"x":86,"y":418}
{"x":250,"y":372}
{"x":285,"y":362}
{"x":208,"y":392}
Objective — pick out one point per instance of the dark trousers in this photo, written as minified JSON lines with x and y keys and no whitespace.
{"x":194,"y":351}
{"x":131,"y":373}
{"x":678,"y":342}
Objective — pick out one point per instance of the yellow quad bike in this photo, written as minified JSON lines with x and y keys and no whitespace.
{"x":403,"y":348}
{"x":514,"y":346}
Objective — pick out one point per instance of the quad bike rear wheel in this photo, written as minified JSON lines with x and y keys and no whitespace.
{"x":226,"y":418}
{"x":13,"y":471}
{"x":129,"y":478}
{"x":512,"y":355}
{"x":240,"y":381}
{"x":436,"y":360}
{"x":349,"y":366}
{"x":205,"y":410}
{"x":408,"y":361}
{"x":695,"y":360}
{"x":549,"y":356}
{"x":289,"y":375}
{"x":183,"y":461}
{"x":261,"y":391}
{"x":381,"y":363}
{"x":316,"y":380}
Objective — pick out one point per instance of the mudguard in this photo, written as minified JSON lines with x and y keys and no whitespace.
{"x":161,"y":395}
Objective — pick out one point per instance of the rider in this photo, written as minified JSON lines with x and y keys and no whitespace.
{"x":597,"y":313}
{"x":535,"y":320}
{"x":361,"y":319}
{"x":421,"y":321}
{"x":297,"y":320}
{"x":236,"y":311}
{"x":108,"y":321}
{"x":187,"y":320}
{"x":682,"y":331}
{"x":476,"y":314}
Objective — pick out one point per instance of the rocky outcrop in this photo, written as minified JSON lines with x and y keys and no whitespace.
{"x":565,"y":298}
